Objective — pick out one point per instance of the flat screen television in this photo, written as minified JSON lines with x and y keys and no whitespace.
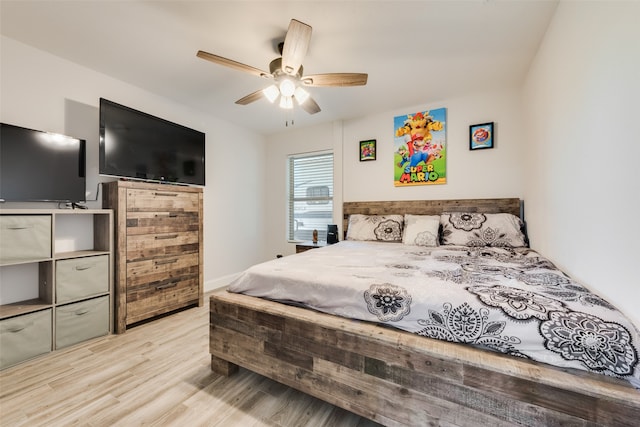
{"x":37,"y":166}
{"x":140,"y":146}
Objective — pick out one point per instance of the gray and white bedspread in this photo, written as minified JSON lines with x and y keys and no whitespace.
{"x":509,"y":300}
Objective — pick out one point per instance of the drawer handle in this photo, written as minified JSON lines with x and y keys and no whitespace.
{"x":168,"y":215}
{"x":82,"y":267}
{"x":81,"y":311}
{"x":18,"y":227}
{"x":167,"y":286}
{"x":168,"y":236}
{"x":166,"y":194}
{"x":166,"y":261}
{"x":17,"y":328}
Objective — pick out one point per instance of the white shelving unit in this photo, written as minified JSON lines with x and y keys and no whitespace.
{"x":56,"y":280}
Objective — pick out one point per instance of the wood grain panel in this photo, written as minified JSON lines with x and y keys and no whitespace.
{"x":433,"y":207}
{"x":114,"y":197}
{"x":162,"y":279}
{"x":159,"y":269}
{"x":408,"y":407}
{"x":397,"y":378}
{"x":201,"y":249}
{"x":161,"y":222}
{"x":155,"y":222}
{"x":162,"y":297}
{"x":150,"y":246}
{"x":167,"y":199}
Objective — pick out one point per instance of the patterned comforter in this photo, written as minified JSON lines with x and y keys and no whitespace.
{"x":509,"y":300}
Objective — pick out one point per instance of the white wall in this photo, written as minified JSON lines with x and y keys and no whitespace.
{"x":479,"y":174}
{"x":45,"y":92}
{"x":280,"y":146}
{"x":470,"y":174}
{"x":581,"y":111}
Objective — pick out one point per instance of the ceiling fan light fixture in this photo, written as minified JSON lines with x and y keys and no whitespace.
{"x":286,"y":102}
{"x":271,"y":93}
{"x":301,"y":95}
{"x":287,"y":88}
{"x":286,"y":73}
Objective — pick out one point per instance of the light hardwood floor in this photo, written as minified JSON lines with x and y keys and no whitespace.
{"x":156,"y":374}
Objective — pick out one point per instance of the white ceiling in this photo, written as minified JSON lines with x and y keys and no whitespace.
{"x":414,"y":51}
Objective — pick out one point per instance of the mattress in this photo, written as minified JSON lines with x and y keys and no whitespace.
{"x":509,"y":300}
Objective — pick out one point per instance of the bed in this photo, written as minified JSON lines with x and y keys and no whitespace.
{"x":400,"y":377}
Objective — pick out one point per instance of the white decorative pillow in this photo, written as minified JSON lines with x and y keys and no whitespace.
{"x":480,"y":229}
{"x":387,"y":228}
{"x":421,"y":230}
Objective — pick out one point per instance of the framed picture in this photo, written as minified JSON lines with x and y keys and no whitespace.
{"x":481,"y":136}
{"x":368,"y":150}
{"x":420,"y":148}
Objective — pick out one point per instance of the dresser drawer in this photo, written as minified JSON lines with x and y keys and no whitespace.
{"x":24,"y":237}
{"x":140,"y":247}
{"x":82,"y":321}
{"x":81,"y":277}
{"x":151,"y":299}
{"x":24,"y":337}
{"x":161,"y":222}
{"x":161,"y":269}
{"x":151,"y":200}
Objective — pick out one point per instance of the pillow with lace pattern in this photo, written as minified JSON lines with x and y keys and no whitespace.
{"x":421,"y":230}
{"x":385,"y":228}
{"x":482,"y":229}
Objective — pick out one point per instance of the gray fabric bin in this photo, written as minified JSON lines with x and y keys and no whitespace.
{"x":23,"y":337}
{"x":81,"y":277}
{"x":81,"y":321}
{"x":25,"y":237}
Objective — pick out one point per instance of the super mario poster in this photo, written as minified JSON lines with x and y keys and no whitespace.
{"x":420,"y":148}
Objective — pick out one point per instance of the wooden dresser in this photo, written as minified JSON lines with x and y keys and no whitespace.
{"x":158,"y":249}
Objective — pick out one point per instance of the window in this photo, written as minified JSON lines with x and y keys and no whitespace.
{"x":310,"y":195}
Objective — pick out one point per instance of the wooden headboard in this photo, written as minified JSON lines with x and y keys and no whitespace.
{"x":431,"y":207}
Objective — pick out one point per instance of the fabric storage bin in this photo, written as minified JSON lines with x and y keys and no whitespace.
{"x":23,"y":337}
{"x":25,"y":237}
{"x":81,"y":321}
{"x":81,"y":277}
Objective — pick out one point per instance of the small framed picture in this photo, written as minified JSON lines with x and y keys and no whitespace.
{"x":481,"y":136}
{"x":368,"y":150}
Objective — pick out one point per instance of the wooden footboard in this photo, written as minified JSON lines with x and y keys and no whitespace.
{"x":401,"y":379}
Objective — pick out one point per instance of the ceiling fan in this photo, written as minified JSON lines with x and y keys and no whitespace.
{"x":286,"y":72}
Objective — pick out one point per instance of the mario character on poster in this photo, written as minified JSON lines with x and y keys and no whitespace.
{"x":419,"y":143}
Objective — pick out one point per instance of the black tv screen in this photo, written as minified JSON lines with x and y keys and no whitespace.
{"x":140,"y":146}
{"x":37,"y":166}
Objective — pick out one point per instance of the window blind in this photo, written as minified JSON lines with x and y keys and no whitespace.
{"x":310,"y":195}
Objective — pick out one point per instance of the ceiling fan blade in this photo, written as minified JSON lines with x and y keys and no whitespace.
{"x":232,"y":64}
{"x":335,"y":79}
{"x":252,"y":97}
{"x":310,"y":106}
{"x":296,"y":43}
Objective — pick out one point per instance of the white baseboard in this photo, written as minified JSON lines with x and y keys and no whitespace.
{"x":220,"y":282}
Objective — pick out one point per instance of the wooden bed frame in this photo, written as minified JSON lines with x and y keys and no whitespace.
{"x":401,"y":379}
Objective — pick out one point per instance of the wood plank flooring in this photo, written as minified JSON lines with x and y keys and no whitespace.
{"x":156,"y":374}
